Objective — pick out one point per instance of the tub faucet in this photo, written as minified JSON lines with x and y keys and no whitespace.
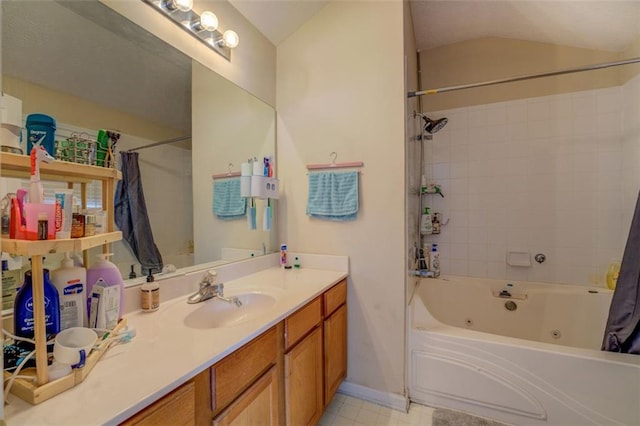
{"x":209,"y":289}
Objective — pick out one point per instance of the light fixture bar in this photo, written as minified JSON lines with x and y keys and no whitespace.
{"x":185,"y":19}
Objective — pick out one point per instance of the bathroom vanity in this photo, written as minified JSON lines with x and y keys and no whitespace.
{"x":281,"y":359}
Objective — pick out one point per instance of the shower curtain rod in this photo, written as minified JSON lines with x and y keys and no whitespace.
{"x":524,"y":77}
{"x":178,"y":139}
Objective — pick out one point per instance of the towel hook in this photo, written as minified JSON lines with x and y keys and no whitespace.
{"x":334,"y":157}
{"x":230,"y":166}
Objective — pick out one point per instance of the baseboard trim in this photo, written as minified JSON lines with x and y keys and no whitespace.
{"x":387,"y":399}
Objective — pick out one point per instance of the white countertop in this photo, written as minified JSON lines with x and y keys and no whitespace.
{"x":165,"y":352}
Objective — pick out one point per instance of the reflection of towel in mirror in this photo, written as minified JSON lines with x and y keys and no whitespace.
{"x":130,"y":214}
{"x":622,"y":333}
{"x":333,"y":196}
{"x":227,"y":202}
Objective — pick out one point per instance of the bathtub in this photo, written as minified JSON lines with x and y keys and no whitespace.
{"x":520,"y":353}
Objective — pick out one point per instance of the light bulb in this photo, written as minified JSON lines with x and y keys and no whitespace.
{"x":230,"y":39}
{"x":209,"y":21}
{"x":183,"y":5}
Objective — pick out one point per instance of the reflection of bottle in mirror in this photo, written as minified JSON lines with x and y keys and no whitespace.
{"x":283,"y":255}
{"x":612,"y":274}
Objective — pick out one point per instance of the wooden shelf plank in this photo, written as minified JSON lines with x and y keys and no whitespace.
{"x":16,"y":164}
{"x":42,"y":247}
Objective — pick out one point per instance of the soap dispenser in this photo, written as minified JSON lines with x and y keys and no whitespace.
{"x":150,"y":295}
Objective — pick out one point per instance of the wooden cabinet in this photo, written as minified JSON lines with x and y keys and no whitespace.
{"x":237,"y":371}
{"x":287,"y":375}
{"x":258,"y":405}
{"x":303,"y":381}
{"x":335,"y":339}
{"x":177,"y":408}
{"x":335,"y":352}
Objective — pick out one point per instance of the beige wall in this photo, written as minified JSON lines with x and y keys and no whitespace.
{"x":80,"y":112}
{"x":252,"y":64}
{"x":495,"y":58}
{"x":412,"y":148}
{"x":340,"y":87}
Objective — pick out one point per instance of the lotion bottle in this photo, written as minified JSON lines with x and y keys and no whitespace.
{"x":106,"y":271}
{"x":71,"y":283}
{"x":23,"y":321}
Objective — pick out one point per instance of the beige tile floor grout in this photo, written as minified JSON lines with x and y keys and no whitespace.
{"x":349,"y":411}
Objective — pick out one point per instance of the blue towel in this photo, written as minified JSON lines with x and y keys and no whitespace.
{"x":333,"y":196}
{"x":227,"y":202}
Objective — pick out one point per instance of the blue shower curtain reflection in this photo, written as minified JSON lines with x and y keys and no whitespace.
{"x":131,"y":215}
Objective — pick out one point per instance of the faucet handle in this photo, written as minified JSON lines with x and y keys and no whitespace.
{"x":210,"y":276}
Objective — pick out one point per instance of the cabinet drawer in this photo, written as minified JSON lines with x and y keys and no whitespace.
{"x":240,"y":369}
{"x":334,"y":297}
{"x":296,"y":326}
{"x":177,"y":408}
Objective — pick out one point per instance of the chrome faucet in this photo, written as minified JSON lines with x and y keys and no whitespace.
{"x":209,"y":290}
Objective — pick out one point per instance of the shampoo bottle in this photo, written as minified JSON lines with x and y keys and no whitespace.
{"x":109,"y":273}
{"x":434,"y":260}
{"x":426,"y":226}
{"x":23,"y":322}
{"x":71,"y":282}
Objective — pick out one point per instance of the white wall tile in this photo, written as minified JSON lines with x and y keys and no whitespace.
{"x":497,"y":270}
{"x":548,"y":174}
{"x":478,"y":268}
{"x":477,"y":116}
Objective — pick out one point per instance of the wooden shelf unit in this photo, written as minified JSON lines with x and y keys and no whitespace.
{"x":18,"y":166}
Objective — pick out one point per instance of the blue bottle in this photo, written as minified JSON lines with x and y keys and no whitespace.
{"x":23,"y":322}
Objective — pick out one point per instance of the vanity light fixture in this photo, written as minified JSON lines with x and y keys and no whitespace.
{"x":182,"y":5}
{"x":204,"y":27}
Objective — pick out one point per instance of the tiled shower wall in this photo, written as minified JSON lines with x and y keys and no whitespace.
{"x":538,"y":175}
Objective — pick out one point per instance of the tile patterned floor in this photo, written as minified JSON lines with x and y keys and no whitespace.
{"x":348,"y":411}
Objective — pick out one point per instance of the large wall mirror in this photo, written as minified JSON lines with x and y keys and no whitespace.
{"x":90,"y":68}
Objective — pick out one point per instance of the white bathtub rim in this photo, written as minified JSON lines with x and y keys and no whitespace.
{"x":527,"y":285}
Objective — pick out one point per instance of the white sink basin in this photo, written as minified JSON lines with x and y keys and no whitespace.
{"x":216,"y":313}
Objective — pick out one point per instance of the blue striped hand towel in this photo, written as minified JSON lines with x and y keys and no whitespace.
{"x":227,"y":202}
{"x":333,"y":196}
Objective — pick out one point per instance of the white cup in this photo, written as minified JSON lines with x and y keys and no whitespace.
{"x":73,"y":345}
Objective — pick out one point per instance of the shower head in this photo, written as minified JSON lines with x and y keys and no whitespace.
{"x":433,"y":126}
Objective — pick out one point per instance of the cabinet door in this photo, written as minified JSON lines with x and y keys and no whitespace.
{"x":303,"y":381}
{"x":335,"y":352}
{"x":177,"y":408}
{"x":257,"y":406}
